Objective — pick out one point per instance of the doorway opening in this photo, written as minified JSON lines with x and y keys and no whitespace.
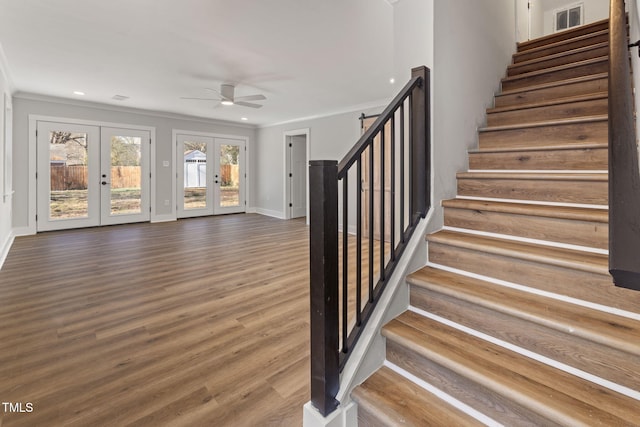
{"x":296,"y":159}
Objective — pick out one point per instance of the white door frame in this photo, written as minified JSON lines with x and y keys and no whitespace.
{"x":285,"y":175}
{"x":32,"y":167}
{"x":174,"y":155}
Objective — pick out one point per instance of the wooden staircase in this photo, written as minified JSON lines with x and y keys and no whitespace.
{"x":515,"y":320}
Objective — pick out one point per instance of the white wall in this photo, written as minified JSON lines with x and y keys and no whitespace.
{"x":6,"y":236}
{"x":594,"y":10}
{"x":25,"y":105}
{"x":412,"y":37}
{"x":468,"y":64}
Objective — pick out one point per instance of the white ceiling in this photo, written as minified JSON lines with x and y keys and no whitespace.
{"x":308,"y":57}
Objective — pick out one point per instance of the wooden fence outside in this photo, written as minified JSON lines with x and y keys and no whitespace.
{"x":76,"y":177}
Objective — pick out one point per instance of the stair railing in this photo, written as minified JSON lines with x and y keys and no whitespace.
{"x":382,"y":187}
{"x":624,"y":174}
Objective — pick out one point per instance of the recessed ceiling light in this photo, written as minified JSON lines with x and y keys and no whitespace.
{"x":226,"y":102}
{"x":244,"y":119}
{"x":392,"y":80}
{"x":79,"y":93}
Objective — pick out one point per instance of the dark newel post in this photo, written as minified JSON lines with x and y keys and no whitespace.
{"x":323,"y":219}
{"x":420,"y":144}
{"x":624,"y":174}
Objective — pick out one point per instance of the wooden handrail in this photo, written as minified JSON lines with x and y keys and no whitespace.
{"x":624,"y":173}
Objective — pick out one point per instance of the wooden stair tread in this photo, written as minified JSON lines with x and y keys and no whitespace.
{"x":540,"y":148}
{"x":556,"y":68}
{"x":565,"y":35}
{"x":604,"y":328}
{"x":547,"y":103}
{"x":538,"y":176}
{"x":391,"y":399}
{"x":558,"y":44}
{"x":558,"y":55}
{"x":549,"y":211}
{"x":554,"y":84}
{"x":559,"y":257}
{"x":562,"y":397}
{"x":544,"y":123}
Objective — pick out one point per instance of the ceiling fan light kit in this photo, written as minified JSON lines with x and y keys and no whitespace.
{"x":227,"y":97}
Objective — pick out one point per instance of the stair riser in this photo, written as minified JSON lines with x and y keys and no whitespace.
{"x":563,"y":47}
{"x":554,"y":76}
{"x":569,"y":58}
{"x":592,"y":107}
{"x":563,"y":281}
{"x":564,"y":35}
{"x":554,"y":92}
{"x":596,"y":132}
{"x":583,"y":233}
{"x":578,"y":159}
{"x":602,"y":361}
{"x":497,"y":406}
{"x":583,"y":192}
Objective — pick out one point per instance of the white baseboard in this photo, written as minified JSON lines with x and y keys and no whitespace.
{"x":251,"y":210}
{"x":163,"y":218}
{"x":6,"y":246}
{"x":269,"y":212}
{"x":23,"y":231}
{"x":344,"y":416}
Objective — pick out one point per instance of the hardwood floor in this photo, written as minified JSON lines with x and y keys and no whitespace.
{"x":199,"y":322}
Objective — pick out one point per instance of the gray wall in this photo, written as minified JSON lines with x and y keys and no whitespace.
{"x":468,"y":65}
{"x":164,"y":124}
{"x":329,"y":139}
{"x":5,"y":202}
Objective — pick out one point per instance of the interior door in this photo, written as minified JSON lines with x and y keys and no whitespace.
{"x":124,"y":175}
{"x":229,"y":176}
{"x":298,"y":176}
{"x":195,"y":180}
{"x":378,"y":189}
{"x":68,"y":177}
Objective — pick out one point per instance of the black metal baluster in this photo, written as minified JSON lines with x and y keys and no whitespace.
{"x":392,"y":191}
{"x":359,"y":242}
{"x":402,"y":189}
{"x":345,"y":261}
{"x":382,"y":194}
{"x":371,"y":207}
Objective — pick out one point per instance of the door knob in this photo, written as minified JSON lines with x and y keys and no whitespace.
{"x":105,"y":183}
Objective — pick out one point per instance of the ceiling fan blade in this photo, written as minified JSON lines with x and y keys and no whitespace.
{"x":247,"y":104}
{"x":212,"y":90}
{"x":201,"y":99}
{"x":251,"y":98}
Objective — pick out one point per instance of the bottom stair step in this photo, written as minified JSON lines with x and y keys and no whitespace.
{"x":508,"y":387}
{"x":388,"y":399}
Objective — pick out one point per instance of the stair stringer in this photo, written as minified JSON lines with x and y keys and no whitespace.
{"x":369,"y":354}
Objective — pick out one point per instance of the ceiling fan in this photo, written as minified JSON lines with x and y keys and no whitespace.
{"x":226,"y":97}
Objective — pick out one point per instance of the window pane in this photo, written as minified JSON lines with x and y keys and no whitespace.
{"x":69,"y":184}
{"x":126,"y":175}
{"x":195,"y":175}
{"x":574,"y":17}
{"x":229,"y":175}
{"x":561,"y":20}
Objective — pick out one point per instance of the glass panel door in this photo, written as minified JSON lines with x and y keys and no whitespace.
{"x":229,"y":176}
{"x":68,"y":162}
{"x":195,"y":189}
{"x":124,"y":176}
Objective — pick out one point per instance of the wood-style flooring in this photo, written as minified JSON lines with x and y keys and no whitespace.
{"x":198,"y":322}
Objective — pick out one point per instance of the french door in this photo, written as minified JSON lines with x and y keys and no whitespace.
{"x":91,"y":175}
{"x":210,"y":177}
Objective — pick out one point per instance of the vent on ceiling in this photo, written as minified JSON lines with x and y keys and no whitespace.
{"x":120,"y":97}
